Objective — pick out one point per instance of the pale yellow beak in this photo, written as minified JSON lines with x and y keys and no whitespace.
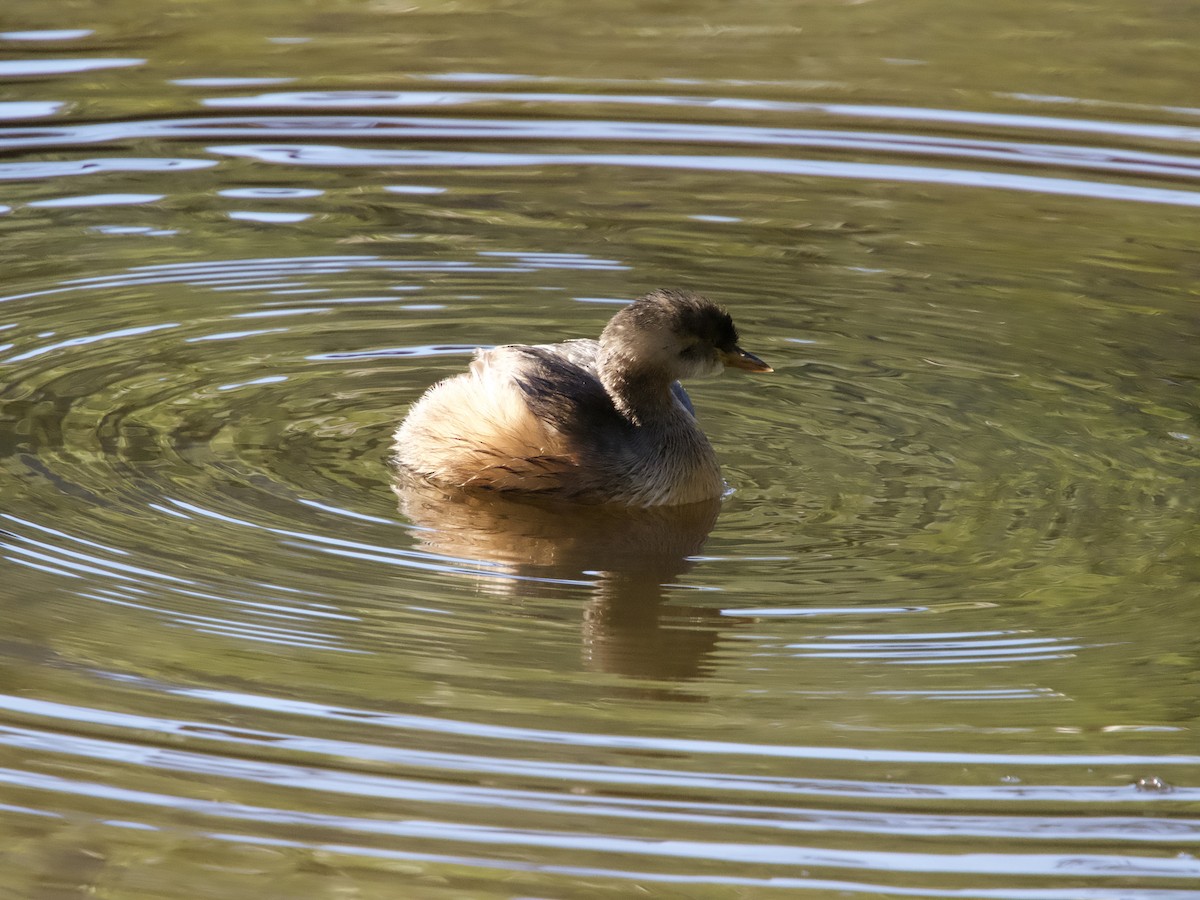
{"x":737,"y":358}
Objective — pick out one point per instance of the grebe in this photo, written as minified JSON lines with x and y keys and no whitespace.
{"x":584,"y":421}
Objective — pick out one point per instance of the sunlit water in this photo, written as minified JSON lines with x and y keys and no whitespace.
{"x":940,"y":640}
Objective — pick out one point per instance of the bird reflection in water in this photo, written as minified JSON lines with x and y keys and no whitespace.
{"x":629,"y":556}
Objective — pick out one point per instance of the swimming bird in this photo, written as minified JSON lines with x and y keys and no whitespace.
{"x":583,"y":421}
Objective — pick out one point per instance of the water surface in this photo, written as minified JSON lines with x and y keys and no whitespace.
{"x":938,"y":641}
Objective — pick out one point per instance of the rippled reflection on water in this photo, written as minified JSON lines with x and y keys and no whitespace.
{"x":938,"y":641}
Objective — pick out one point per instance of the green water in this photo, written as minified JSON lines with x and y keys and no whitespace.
{"x":939,"y":640}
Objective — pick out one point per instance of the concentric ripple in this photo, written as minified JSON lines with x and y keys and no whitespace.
{"x":938,"y":641}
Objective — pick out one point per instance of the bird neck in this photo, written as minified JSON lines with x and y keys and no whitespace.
{"x":669,"y":459}
{"x":641,"y":394}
